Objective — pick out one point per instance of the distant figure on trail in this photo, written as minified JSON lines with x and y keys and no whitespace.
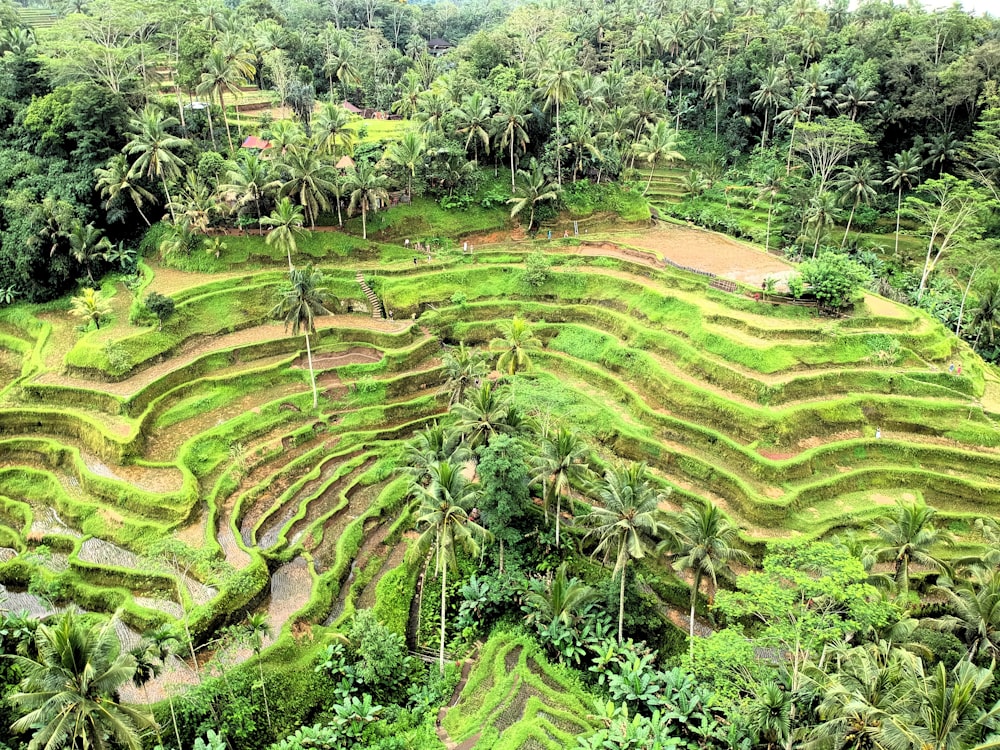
{"x":878,"y":433}
{"x":550,"y":234}
{"x":566,"y":234}
{"x":951,"y":367}
{"x":391,"y":316}
{"x":414,"y":260}
{"x":465,"y":247}
{"x":406,"y":242}
{"x":960,"y":369}
{"x":428,"y":257}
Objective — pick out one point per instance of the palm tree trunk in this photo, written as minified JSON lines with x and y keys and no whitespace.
{"x":650,"y":180}
{"x":621,"y":607}
{"x":211,"y":126}
{"x":694,"y":600}
{"x":444,"y":587}
{"x":173,"y":719}
{"x":513,"y":187}
{"x":263,"y":688}
{"x":899,"y":207}
{"x":364,"y":222}
{"x":170,"y":203}
{"x":716,"y":118}
{"x":767,"y":236}
{"x":558,"y":508}
{"x":142,"y":215}
{"x":791,"y":144}
{"x":225,"y":119}
{"x":558,"y":148}
{"x":849,"y":220}
{"x":312,"y":373}
{"x":763,"y":135}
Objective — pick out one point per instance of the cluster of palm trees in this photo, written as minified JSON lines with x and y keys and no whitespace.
{"x":605,"y":117}
{"x":297,"y":176}
{"x":627,"y":521}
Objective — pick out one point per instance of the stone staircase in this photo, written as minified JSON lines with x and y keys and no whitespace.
{"x":373,"y":301}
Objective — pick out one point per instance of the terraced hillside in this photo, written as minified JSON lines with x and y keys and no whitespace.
{"x":184,"y":472}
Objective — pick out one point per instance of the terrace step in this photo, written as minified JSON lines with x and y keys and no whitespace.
{"x":376,"y":304}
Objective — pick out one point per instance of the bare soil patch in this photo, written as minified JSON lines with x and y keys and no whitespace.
{"x":708,"y":251}
{"x":356,"y":355}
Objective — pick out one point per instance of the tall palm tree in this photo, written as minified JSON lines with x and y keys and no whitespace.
{"x":333,"y":129}
{"x":562,"y":459}
{"x":86,"y":245}
{"x":904,"y":170}
{"x":768,"y":96}
{"x":798,"y":109}
{"x":249,"y":179}
{"x":473,"y":118}
{"x":769,"y":188}
{"x":165,"y":643}
{"x":222,"y":75}
{"x":155,"y":148}
{"x":716,"y":81}
{"x":368,"y":192}
{"x":581,"y":141}
{"x":286,"y":220}
{"x":819,"y":215}
{"x":310,"y":180}
{"x":626,"y":522}
{"x":482,"y":414}
{"x":557,"y":81}
{"x":704,"y":543}
{"x":70,"y":688}
{"x":857,"y":185}
{"x":908,"y":534}
{"x":444,"y":516}
{"x":302,"y":299}
{"x":512,"y":120}
{"x":465,"y":369}
{"x":434,"y":443}
{"x":408,"y":152}
{"x":658,"y":145}
{"x":559,"y":600}
{"x":257,"y":631}
{"x":533,"y":190}
{"x":516,"y":343}
{"x":115,"y":183}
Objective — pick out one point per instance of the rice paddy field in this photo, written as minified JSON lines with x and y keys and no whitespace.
{"x":183,"y":473}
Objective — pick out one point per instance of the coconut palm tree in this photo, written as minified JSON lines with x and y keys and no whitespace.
{"x":946,"y":711}
{"x":249,"y":179}
{"x":434,"y":443}
{"x":165,"y":643}
{"x":90,"y":306}
{"x":408,"y":152}
{"x":904,"y":170}
{"x":222,"y":74}
{"x":333,"y":129}
{"x":155,"y":148}
{"x":562,"y":459}
{"x":581,"y":141}
{"x":798,"y":109}
{"x":86,"y":244}
{"x":872,"y":683}
{"x":368,"y":192}
{"x":515,"y":345}
{"x":115,"y":183}
{"x":482,"y":414}
{"x":561,"y":599}
{"x":627,"y":521}
{"x":257,"y":630}
{"x":512,"y":121}
{"x":975,"y":614}
{"x":533,"y":190}
{"x":658,"y":145}
{"x":769,"y":188}
{"x":444,"y":517}
{"x":703,"y":542}
{"x":473,"y":118}
{"x":557,"y":81}
{"x":286,"y":220}
{"x":769,"y":96}
{"x":819,"y":215}
{"x":908,"y":534}
{"x":769,"y":714}
{"x":310,"y":179}
{"x":857,"y":185}
{"x":70,"y":688}
{"x":302,"y":299}
{"x":465,"y":368}
{"x":715,"y":82}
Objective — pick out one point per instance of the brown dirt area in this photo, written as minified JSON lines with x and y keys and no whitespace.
{"x":708,"y":251}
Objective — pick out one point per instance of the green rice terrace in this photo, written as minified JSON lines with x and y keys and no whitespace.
{"x":182,"y":473}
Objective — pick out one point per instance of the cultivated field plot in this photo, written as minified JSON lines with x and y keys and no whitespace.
{"x":183,"y":472}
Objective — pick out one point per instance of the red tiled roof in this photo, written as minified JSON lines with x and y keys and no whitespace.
{"x":253,"y":141}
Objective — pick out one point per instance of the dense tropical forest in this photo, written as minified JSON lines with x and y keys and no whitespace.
{"x":498,"y":374}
